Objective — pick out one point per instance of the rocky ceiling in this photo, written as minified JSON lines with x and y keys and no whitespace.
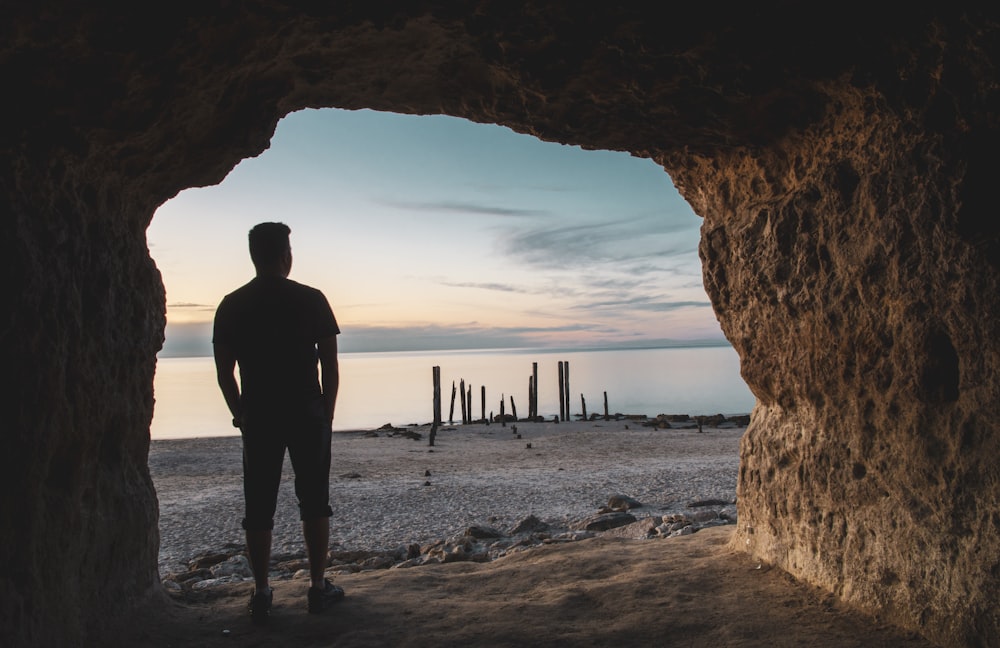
{"x":842,"y":163}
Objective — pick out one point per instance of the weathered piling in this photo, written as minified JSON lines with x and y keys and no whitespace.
{"x":436,"y":376}
{"x":583,"y":406}
{"x":531,"y":398}
{"x":503,"y":417}
{"x":566,"y":387}
{"x":607,"y":417}
{"x":451,"y":410}
{"x":513,"y":407}
{"x":562,"y":393}
{"x":534,"y":391}
{"x":482,"y":399}
{"x":465,"y":410}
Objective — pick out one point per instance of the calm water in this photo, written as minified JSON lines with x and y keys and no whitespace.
{"x":379,"y":388}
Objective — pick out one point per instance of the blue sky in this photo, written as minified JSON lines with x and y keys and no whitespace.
{"x":437,"y":233}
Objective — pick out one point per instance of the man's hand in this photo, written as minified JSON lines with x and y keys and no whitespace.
{"x":329,"y":374}
{"x":225,"y":374}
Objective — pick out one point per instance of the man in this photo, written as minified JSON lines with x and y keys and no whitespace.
{"x":276,"y":330}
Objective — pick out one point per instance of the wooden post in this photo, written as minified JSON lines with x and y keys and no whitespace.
{"x":583,"y":406}
{"x":436,"y":373}
{"x":513,"y":407}
{"x":465,"y":410}
{"x":607,"y":417}
{"x":483,"y":400}
{"x":531,"y":397}
{"x":562,"y":393}
{"x":534,"y":392}
{"x":451,"y":410}
{"x":503,"y":419}
{"x":566,"y":387}
{"x":470,"y":403}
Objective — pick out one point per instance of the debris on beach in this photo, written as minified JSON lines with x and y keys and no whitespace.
{"x":686,"y":422}
{"x":393,"y":431}
{"x":477,"y":543}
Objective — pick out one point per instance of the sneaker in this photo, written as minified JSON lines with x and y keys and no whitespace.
{"x":321,"y":599}
{"x":259,"y":606}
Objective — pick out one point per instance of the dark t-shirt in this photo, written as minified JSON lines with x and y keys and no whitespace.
{"x":273,"y":324}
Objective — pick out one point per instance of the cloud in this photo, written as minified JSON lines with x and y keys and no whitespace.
{"x":464,"y":208}
{"x":191,"y":306}
{"x":617,"y":284}
{"x":641,"y":303}
{"x":429,"y":337}
{"x":584,"y":244}
{"x":186,"y":340}
{"x":483,"y":286}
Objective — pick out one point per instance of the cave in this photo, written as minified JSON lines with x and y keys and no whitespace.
{"x":841,"y":164}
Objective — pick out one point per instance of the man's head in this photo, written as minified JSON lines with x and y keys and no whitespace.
{"x":270,"y":250}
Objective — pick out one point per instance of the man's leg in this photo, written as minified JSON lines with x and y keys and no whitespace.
{"x":310,"y":455}
{"x":259,"y":551}
{"x":263,"y":455}
{"x":317,"y":536}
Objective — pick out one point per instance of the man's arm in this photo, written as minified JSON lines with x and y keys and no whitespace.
{"x":329,"y":374}
{"x":225,"y":373}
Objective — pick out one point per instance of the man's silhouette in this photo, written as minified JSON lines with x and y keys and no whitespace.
{"x":276,"y":330}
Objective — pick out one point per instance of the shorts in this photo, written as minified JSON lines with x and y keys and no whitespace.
{"x":267,"y":432}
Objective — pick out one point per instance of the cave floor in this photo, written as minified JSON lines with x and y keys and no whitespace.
{"x":687,"y":591}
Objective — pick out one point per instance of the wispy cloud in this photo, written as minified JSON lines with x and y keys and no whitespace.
{"x":358,"y":338}
{"x":187,"y":339}
{"x":188,"y":306}
{"x":584,"y":244}
{"x":499,"y":287}
{"x":616,"y":283}
{"x":641,"y":303}
{"x":464,"y":208}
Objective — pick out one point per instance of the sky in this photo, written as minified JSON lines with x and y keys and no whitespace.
{"x":432,"y":232}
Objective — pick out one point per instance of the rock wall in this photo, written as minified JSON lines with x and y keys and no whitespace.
{"x":866,"y":321}
{"x":850,"y":247}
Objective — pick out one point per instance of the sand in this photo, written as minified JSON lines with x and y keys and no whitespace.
{"x":391,"y":490}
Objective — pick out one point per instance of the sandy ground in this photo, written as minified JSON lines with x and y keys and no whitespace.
{"x":383,"y":496}
{"x":686,"y":591}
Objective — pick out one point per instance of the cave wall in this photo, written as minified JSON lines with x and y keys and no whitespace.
{"x":866,"y":319}
{"x":842,"y":168}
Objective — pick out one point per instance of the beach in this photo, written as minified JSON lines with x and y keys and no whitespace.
{"x":388,"y":489}
{"x":391,"y":489}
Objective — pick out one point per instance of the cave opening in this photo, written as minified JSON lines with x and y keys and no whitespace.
{"x":501,"y":243}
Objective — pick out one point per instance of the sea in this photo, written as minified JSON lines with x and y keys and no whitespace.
{"x":397,"y":387}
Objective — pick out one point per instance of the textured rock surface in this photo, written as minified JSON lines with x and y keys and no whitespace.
{"x":842,"y":165}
